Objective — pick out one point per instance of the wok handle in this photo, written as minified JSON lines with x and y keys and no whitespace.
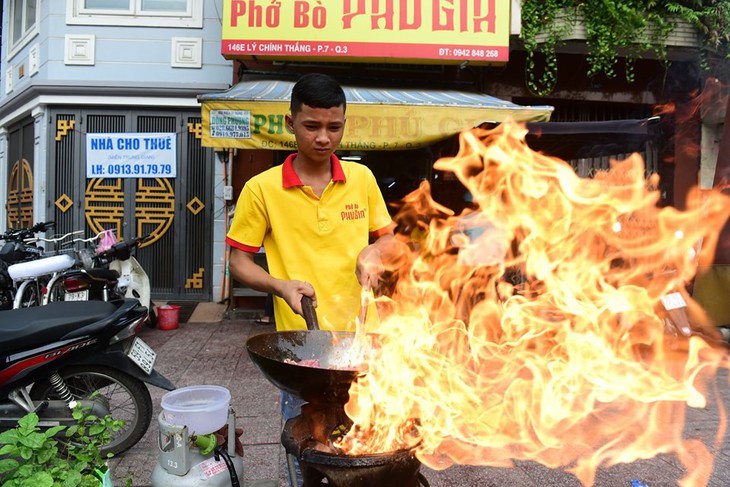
{"x":309,"y":313}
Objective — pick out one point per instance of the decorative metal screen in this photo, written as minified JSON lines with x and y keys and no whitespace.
{"x":176,"y":213}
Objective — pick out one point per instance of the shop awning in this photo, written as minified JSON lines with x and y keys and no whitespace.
{"x":250,"y":115}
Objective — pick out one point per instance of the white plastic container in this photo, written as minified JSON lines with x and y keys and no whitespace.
{"x":203,"y":409}
{"x":40,"y":267}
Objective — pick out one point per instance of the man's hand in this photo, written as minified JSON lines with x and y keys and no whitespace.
{"x":292,"y":292}
{"x":369,"y":267}
{"x":245,"y":270}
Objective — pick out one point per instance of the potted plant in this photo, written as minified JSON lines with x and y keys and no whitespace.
{"x":31,"y":455}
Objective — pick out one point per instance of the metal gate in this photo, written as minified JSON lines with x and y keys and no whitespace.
{"x":592,"y":111}
{"x":175,"y":212}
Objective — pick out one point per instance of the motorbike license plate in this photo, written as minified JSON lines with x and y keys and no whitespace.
{"x":77,"y":296}
{"x":142,"y":355}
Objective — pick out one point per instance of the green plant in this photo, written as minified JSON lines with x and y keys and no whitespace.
{"x":616,"y":28}
{"x":32,"y":456}
{"x":553,"y":19}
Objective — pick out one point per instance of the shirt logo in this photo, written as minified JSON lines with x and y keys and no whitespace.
{"x":352,"y":212}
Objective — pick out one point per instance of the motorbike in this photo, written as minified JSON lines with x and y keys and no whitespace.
{"x":87,"y":352}
{"x":16,"y":250}
{"x":108,"y":275}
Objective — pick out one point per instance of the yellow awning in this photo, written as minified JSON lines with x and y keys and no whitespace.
{"x":250,"y":115}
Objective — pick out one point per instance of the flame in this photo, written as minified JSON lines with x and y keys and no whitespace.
{"x":530,"y":327}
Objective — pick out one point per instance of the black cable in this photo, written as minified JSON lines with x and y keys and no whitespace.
{"x":220,"y":451}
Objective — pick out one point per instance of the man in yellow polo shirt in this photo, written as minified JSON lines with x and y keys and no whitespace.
{"x":314,"y":216}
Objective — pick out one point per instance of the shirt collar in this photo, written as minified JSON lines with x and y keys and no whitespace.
{"x":289,"y":178}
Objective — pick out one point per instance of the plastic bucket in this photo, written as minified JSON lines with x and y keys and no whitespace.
{"x":203,"y":409}
{"x":168,"y":317}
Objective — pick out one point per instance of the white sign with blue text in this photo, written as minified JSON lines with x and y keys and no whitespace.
{"x":138,"y":155}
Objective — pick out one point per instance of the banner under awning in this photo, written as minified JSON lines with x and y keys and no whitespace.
{"x":250,"y":115}
{"x":589,"y":139}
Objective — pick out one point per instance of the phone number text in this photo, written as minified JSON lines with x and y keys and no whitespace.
{"x":469,"y":53}
{"x":101,"y":170}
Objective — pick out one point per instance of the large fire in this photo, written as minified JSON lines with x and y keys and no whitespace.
{"x":533,"y":328}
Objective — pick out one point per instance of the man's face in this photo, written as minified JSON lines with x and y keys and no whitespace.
{"x":318,"y":131}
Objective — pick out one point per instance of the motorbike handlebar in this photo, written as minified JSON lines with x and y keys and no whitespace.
{"x":53,"y":239}
{"x":90,"y":239}
{"x":24,"y":233}
{"x":43,"y":226}
{"x":120,"y":250}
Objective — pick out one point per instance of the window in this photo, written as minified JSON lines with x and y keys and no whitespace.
{"x":131,"y":6}
{"x":23,"y":23}
{"x":149,"y":13}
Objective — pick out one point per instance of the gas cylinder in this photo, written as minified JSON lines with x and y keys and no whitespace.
{"x":182,"y":464}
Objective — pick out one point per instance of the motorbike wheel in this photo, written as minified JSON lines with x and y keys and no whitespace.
{"x":57,"y":291}
{"x":125,"y":398}
{"x":30,"y":296}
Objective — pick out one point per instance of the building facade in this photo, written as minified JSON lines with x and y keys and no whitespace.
{"x":77,"y":67}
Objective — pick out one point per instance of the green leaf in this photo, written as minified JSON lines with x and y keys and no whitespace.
{"x":73,"y":479}
{"x":89,"y":481}
{"x":28,"y":422}
{"x":45,"y":455}
{"x":33,"y":440}
{"x":11,"y":450}
{"x":41,"y":479}
{"x":24,"y":471}
{"x":9,"y":436}
{"x":25,"y":452}
{"x":72,"y":430}
{"x":8,"y":464}
{"x":51,"y":432}
{"x":96,"y":429}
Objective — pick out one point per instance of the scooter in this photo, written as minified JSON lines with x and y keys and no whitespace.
{"x":108,"y":275}
{"x":17,"y":250}
{"x":78,"y":351}
{"x":32,"y":277}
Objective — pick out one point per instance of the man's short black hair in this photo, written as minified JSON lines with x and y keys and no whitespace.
{"x":317,"y":91}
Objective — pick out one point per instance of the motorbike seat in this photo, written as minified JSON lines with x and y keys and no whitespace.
{"x":103,"y":274}
{"x":28,"y":327}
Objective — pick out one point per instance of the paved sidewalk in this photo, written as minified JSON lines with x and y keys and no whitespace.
{"x":214,"y":353}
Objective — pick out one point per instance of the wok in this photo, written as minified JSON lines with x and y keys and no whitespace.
{"x":328,"y":382}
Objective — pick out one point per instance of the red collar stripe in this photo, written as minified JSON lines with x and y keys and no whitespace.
{"x":289,"y":178}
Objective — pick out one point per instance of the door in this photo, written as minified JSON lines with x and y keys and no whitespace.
{"x":19,"y":204}
{"x":176,"y":213}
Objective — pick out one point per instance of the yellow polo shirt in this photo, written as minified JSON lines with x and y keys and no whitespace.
{"x":312,"y":239}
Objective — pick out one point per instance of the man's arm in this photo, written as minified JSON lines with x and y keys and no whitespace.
{"x":245,"y":270}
